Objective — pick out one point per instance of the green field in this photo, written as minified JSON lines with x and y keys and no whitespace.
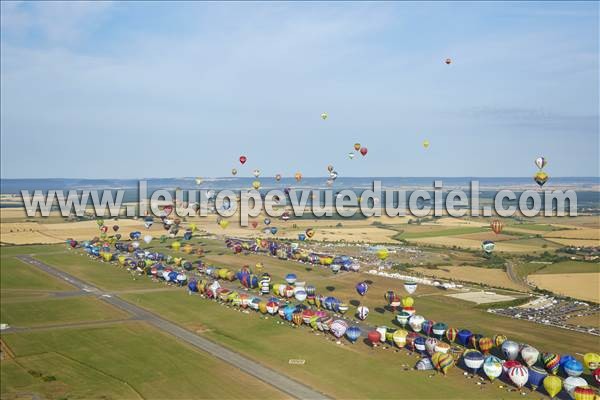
{"x":121,"y":361}
{"x":15,"y":274}
{"x":54,"y":311}
{"x":103,"y":275}
{"x":570,"y":267}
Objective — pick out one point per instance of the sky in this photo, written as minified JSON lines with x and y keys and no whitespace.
{"x":134,"y":89}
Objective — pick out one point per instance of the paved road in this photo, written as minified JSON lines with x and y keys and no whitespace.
{"x":281,"y":382}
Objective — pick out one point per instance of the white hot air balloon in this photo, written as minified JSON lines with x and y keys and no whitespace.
{"x":362,"y":312}
{"x":410,"y":287}
{"x":530,"y":355}
{"x":416,"y":322}
{"x":518,"y":375}
{"x":510,"y":350}
{"x":573,"y":382}
{"x":147,"y":239}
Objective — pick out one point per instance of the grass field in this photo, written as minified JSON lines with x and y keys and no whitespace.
{"x":104,"y":275}
{"x":141,"y":363}
{"x":570,"y":267}
{"x":67,"y":310}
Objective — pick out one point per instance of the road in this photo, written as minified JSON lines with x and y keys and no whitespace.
{"x":281,"y":382}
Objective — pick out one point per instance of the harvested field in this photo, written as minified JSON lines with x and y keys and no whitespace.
{"x":490,"y":277}
{"x":583,"y":286}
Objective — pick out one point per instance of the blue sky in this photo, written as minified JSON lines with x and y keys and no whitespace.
{"x":109,"y":90}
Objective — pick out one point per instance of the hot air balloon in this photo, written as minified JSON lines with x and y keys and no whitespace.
{"x":382,"y":253}
{"x":473,"y":360}
{"x":273,"y":230}
{"x":552,"y":385}
{"x":438,"y":329}
{"x":402,"y":318}
{"x":492,"y":367}
{"x":424,"y":364}
{"x":419,"y":343}
{"x":233,"y":171}
{"x":374,"y":337}
{"x":309,"y":233}
{"x":591,"y":360}
{"x":510,"y":350}
{"x":551,"y":362}
{"x":362,"y":312}
{"x":351,"y":155}
{"x":488,"y":246}
{"x":451,"y":334}
{"x":463,"y":336}
{"x":541,"y":162}
{"x":519,"y":375}
{"x":443,"y":362}
{"x":496,"y":226}
{"x":364,"y":151}
{"x":243,"y":160}
{"x":584,"y":393}
{"x":416,"y":323}
{"x":474,"y":340}
{"x":530,"y":355}
{"x":573,"y":367}
{"x":448,"y":61}
{"x":175,"y":246}
{"x":399,"y":337}
{"x":485,"y":345}
{"x":361,"y":288}
{"x":298,"y":176}
{"x":573,"y":382}
{"x":256,"y":184}
{"x":353,"y":333}
{"x":426,"y":144}
{"x":596,"y":375}
{"x":267,"y":221}
{"x":541,"y":178}
{"x":278,"y":177}
{"x":536,"y":377}
{"x":410,"y":287}
{"x":198,"y":180}
{"x":499,"y":339}
{"x":147,"y":239}
{"x":223,"y":223}
{"x":301,"y":237}
{"x":324,"y":116}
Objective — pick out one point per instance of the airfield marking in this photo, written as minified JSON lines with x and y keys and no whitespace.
{"x":273,"y":378}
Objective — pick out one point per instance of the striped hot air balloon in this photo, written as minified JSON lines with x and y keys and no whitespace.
{"x":443,"y":362}
{"x":496,"y":226}
{"x":474,"y":340}
{"x":353,"y":333}
{"x":584,"y":393}
{"x":451,"y":334}
{"x":297,"y":318}
{"x":399,"y":337}
{"x":551,"y":362}
{"x":499,"y":340}
{"x":338,"y":328}
{"x":519,"y":375}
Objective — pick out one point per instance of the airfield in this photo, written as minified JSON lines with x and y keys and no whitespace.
{"x":57,"y":336}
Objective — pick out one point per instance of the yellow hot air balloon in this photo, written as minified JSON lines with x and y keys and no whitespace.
{"x":407,"y":301}
{"x":107,"y":256}
{"x":175,"y":245}
{"x":426,"y":143}
{"x":198,"y":180}
{"x":262,"y":307}
{"x":553,"y":385}
{"x":121,"y":260}
{"x":258,"y":267}
{"x":324,"y":116}
{"x":177,"y":260}
{"x":382,"y":254}
{"x":223,"y":223}
{"x":591,"y":361}
{"x":187,"y":249}
{"x":298,"y":176}
{"x":256,"y":184}
{"x":357,"y":146}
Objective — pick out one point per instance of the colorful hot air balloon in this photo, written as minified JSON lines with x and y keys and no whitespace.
{"x":485,"y":345}
{"x":416,"y":322}
{"x":310,"y":233}
{"x":298,"y":176}
{"x":530,"y":355}
{"x":519,"y":375}
{"x":439,"y":329}
{"x":243,"y":160}
{"x":584,"y":393}
{"x":474,"y":340}
{"x":573,"y":382}
{"x":402,"y":318}
{"x":451,"y":334}
{"x":541,"y":162}
{"x":541,"y":178}
{"x":492,"y":367}
{"x":361,"y":288}
{"x":499,"y":339}
{"x":551,"y":362}
{"x":496,"y":226}
{"x":552,"y":385}
{"x":596,"y":375}
{"x":399,"y":337}
{"x":443,"y":362}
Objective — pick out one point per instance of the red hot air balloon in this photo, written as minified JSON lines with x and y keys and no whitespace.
{"x":374,"y":337}
{"x":243,"y":159}
{"x":496,"y":226}
{"x":363,"y":151}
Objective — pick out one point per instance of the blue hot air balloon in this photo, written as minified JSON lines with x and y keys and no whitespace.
{"x":362,"y":288}
{"x":301,"y":237}
{"x":193,"y":286}
{"x":291,"y":278}
{"x":463,"y":336}
{"x":353,"y":333}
